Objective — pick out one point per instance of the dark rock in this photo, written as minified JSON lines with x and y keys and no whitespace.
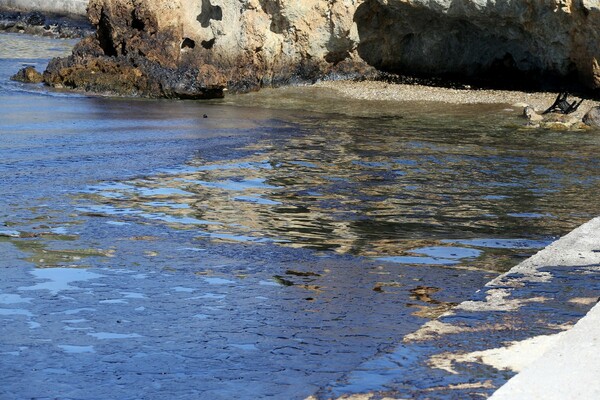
{"x":28,"y":75}
{"x":592,"y":117}
{"x":34,"y":19}
{"x":128,"y":56}
{"x":53,"y":25}
{"x":7,"y":25}
{"x":10,"y":15}
{"x":89,"y":69}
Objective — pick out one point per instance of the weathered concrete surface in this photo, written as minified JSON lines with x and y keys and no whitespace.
{"x":568,"y":370}
{"x":75,"y":7}
{"x":579,"y":248}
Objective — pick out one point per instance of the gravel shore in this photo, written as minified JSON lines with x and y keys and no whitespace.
{"x":376,"y":90}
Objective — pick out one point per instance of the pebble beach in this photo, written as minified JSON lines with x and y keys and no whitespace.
{"x":376,"y":90}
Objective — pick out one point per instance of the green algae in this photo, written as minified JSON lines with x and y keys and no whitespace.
{"x":42,"y":256}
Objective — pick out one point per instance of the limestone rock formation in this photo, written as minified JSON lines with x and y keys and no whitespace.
{"x":527,"y":40}
{"x":136,"y":51}
{"x":196,"y":48}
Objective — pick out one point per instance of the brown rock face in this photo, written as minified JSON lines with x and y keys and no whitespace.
{"x":28,"y":75}
{"x":196,"y":48}
{"x":135,"y":52}
{"x":522,"y":41}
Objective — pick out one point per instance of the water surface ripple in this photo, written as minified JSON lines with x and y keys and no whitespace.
{"x":377,"y":187}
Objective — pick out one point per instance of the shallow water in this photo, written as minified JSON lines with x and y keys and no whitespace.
{"x":377,"y":185}
{"x":264,"y":251}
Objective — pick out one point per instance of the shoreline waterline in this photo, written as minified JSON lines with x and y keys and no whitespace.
{"x":394,"y":92}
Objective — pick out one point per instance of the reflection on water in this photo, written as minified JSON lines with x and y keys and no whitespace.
{"x":436,"y":256}
{"x":377,"y":187}
{"x":59,"y":279}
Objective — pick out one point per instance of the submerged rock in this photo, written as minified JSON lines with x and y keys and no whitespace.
{"x":28,"y":75}
{"x":592,"y":117}
{"x":561,"y":122}
{"x":553,"y":120}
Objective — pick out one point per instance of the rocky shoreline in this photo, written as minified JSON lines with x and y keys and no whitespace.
{"x":172,"y":49}
{"x":153,"y":50}
{"x":246,"y":45}
{"x":45,"y":24}
{"x":533,"y":104}
{"x":134,"y":83}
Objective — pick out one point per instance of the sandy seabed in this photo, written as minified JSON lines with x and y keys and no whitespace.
{"x":376,"y":90}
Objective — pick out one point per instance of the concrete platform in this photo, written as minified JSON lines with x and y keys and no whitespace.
{"x":567,"y":370}
{"x":528,"y":334}
{"x":570,"y":366}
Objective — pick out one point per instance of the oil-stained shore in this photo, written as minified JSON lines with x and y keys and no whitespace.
{"x":107,"y":300}
{"x":267,"y":250}
{"x":472,"y":350}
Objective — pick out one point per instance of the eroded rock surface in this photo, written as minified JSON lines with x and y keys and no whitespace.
{"x":136,"y":52}
{"x":526,"y":41}
{"x":592,"y":117}
{"x":195,"y":49}
{"x":186,"y":48}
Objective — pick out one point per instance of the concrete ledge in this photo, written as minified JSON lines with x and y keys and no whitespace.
{"x":568,"y":370}
{"x":74,"y":7}
{"x":528,"y":334}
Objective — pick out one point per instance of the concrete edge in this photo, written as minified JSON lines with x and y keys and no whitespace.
{"x":581,"y":246}
{"x":516,"y":319}
{"x":569,"y":368}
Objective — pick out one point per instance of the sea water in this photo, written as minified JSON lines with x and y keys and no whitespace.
{"x":263,"y":251}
